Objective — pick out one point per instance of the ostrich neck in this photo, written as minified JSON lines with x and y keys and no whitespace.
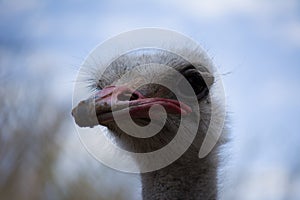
{"x":187,"y":178}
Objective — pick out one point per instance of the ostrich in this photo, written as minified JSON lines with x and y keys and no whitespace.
{"x":189,"y":177}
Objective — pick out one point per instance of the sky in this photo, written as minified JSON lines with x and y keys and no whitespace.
{"x":255,"y":44}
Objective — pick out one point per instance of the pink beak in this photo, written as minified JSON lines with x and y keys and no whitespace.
{"x":120,"y":99}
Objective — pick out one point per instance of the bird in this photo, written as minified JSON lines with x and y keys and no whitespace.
{"x":130,"y":81}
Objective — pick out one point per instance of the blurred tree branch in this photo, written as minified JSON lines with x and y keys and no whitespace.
{"x":31,"y":143}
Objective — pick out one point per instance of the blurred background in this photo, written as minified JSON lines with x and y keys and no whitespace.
{"x":255,"y":44}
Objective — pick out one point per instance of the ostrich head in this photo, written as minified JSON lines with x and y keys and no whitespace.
{"x":129,"y":88}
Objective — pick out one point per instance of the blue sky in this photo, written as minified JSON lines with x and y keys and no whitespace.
{"x":257,"y":42}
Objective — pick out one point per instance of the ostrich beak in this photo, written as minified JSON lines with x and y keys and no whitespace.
{"x":117,"y":101}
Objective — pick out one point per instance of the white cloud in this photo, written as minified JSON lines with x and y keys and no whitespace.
{"x":12,"y":7}
{"x":218,"y":8}
{"x":275,"y":19}
{"x":264,"y":183}
{"x":279,"y":94}
{"x":292,"y":32}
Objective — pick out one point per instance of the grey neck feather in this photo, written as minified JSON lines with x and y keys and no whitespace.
{"x":187,"y":178}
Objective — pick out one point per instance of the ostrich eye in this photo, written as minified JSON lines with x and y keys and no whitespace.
{"x":195,"y":79}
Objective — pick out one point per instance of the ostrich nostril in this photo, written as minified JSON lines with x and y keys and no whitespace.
{"x":127,"y":95}
{"x":134,"y":96}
